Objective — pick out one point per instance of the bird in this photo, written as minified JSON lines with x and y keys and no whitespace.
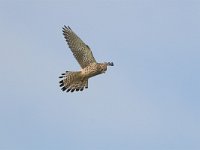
{"x":78,"y":80}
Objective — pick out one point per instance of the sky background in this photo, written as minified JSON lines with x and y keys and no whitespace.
{"x":150,"y":99}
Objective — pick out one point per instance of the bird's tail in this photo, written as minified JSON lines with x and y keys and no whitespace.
{"x":72,"y":81}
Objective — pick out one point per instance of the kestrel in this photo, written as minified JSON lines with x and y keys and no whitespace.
{"x":78,"y":80}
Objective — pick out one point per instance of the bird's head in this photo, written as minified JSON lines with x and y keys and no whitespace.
{"x":109,"y":63}
{"x":103,"y":66}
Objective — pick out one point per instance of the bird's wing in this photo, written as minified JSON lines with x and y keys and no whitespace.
{"x":80,"y":50}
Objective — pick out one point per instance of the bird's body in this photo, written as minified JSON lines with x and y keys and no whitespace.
{"x":78,"y":80}
{"x":93,"y":69}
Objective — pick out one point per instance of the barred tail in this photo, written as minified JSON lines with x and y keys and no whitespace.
{"x":72,"y":81}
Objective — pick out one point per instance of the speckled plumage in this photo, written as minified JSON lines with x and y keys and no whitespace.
{"x":78,"y":80}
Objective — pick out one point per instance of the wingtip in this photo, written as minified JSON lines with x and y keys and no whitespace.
{"x":66,"y":27}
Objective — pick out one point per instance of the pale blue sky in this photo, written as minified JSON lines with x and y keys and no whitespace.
{"x":150,"y":99}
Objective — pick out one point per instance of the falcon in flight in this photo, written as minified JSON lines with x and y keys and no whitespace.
{"x":78,"y":80}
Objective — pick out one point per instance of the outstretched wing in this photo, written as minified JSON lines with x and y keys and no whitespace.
{"x":80,"y":50}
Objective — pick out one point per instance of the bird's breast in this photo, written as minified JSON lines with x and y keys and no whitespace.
{"x":90,"y":71}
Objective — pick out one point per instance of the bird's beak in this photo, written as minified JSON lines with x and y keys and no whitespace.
{"x":110,"y":64}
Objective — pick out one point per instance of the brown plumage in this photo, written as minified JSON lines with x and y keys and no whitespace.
{"x":78,"y":80}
